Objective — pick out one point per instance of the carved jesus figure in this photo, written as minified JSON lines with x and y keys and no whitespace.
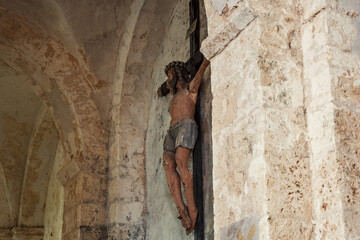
{"x":181,"y":138}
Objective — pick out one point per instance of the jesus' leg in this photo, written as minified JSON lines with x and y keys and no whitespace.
{"x":182,"y":158}
{"x":173,"y":181}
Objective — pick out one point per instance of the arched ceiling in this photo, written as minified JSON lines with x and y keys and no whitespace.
{"x":90,"y":30}
{"x":90,"y":33}
{"x":18,"y":110}
{"x":28,"y":140}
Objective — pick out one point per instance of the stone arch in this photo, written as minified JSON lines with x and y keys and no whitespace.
{"x":132,"y":88}
{"x":62,"y":80}
{"x":56,"y":75}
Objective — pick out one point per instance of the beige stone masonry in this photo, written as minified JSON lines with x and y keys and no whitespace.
{"x":68,"y":172}
{"x":224,"y":34}
{"x":331,"y":96}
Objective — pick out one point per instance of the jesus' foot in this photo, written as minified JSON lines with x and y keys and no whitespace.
{"x":193,"y":217}
{"x":184,"y":217}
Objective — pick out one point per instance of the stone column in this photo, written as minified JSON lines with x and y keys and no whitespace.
{"x":332,"y":99}
{"x":262,"y":175}
{"x":126,"y":178}
{"x":239,"y":170}
{"x":286,"y":153}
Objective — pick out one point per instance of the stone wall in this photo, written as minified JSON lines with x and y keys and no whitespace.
{"x":285,"y":119}
{"x":330,"y":73}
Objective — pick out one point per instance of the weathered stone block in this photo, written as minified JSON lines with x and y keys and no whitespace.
{"x":93,"y":214}
{"x":352,"y":224}
{"x":126,"y":212}
{"x":68,"y":172}
{"x":94,"y":188}
{"x":291,"y":228}
{"x":348,"y":152}
{"x":126,"y":232}
{"x":72,"y":219}
{"x":72,"y":235}
{"x":93,"y":232}
{"x":73,"y":193}
{"x":216,"y":42}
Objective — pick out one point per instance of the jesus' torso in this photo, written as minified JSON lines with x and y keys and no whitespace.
{"x":182,"y":106}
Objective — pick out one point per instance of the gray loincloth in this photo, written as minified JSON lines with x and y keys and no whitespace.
{"x":182,"y":133}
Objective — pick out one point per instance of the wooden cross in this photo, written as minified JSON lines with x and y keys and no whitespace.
{"x":194,"y":63}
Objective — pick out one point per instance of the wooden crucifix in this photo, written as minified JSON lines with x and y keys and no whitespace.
{"x":184,"y":80}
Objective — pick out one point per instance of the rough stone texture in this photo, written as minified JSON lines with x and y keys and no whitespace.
{"x":344,"y":73}
{"x":224,"y":34}
{"x":330,"y":74}
{"x":239,"y":166}
{"x":299,"y":125}
{"x":288,"y":173}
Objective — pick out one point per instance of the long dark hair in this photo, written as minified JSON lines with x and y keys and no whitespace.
{"x":179,"y":72}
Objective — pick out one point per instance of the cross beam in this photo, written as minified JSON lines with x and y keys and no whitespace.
{"x":194,"y":63}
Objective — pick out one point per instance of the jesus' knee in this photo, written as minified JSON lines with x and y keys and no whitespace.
{"x":169,"y":163}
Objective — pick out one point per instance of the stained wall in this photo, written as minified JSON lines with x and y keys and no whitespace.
{"x":285,"y":119}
